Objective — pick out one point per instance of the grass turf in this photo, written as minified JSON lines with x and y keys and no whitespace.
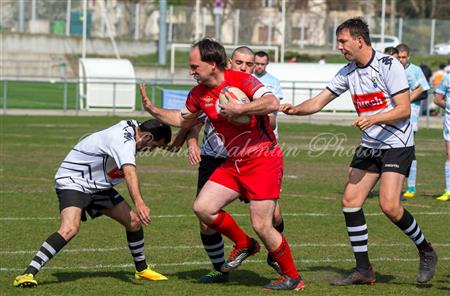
{"x":97,"y":261}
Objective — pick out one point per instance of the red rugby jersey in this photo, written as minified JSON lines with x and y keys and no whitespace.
{"x":240,"y":139}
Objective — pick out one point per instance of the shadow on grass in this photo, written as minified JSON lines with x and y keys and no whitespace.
{"x":381,"y":278}
{"x":124,"y":276}
{"x":240,"y":277}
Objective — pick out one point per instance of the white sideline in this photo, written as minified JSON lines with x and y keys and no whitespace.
{"x":235,"y":215}
{"x":193,"y":263}
{"x":150,"y":247}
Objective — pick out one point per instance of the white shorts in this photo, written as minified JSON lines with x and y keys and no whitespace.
{"x":447,"y":127}
{"x":414,"y":118}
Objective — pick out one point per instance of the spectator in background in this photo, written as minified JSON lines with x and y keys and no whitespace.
{"x":269,"y":81}
{"x":418,"y":85}
{"x":442,"y":99}
{"x":322,"y":60}
{"x":392,"y":51}
{"x":292,"y":60}
{"x":437,"y":76}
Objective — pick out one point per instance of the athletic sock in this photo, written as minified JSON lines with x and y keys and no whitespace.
{"x":48,"y":250}
{"x":214,"y":247}
{"x":226,"y":225}
{"x":409,"y":226}
{"x":412,"y":175}
{"x":447,"y":176}
{"x":282,"y":255}
{"x":136,"y":246}
{"x":358,"y":235}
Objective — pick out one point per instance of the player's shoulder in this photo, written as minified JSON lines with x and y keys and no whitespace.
{"x":385,"y":62}
{"x":347,"y":69}
{"x":197,"y":91}
{"x":231,"y":75}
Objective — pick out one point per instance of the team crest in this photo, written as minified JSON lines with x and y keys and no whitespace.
{"x":208,"y":101}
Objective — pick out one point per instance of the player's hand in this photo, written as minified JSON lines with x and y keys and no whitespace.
{"x":143,"y":213}
{"x":286,"y":109}
{"x":363,"y":123}
{"x":194,"y":155}
{"x":146,"y":102}
{"x":231,"y":109}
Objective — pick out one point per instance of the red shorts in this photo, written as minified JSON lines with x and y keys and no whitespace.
{"x":255,"y":177}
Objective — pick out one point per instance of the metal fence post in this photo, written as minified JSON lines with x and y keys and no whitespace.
{"x":114,"y":98}
{"x":433,"y":28}
{"x":77,"y":98}
{"x":5,"y":96}
{"x":65,"y":95}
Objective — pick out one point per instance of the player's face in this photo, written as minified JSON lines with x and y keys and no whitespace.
{"x":145,"y":142}
{"x":242,"y":62}
{"x":403,"y":57}
{"x":260,"y":65}
{"x":199,"y":70}
{"x":348,"y":45}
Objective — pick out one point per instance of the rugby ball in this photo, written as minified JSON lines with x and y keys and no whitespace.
{"x":236,"y":95}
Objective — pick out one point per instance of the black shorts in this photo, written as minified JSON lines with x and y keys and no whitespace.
{"x":208,"y":165}
{"x":396,"y":160}
{"x":90,"y":203}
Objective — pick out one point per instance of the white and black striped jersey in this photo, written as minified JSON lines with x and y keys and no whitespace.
{"x":95,"y":163}
{"x":372,"y":88}
{"x":212,"y":144}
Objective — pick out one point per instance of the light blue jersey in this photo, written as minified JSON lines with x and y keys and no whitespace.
{"x":444,"y":89}
{"x":415,"y":79}
{"x":272,"y":83}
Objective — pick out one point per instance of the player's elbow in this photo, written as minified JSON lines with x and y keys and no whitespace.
{"x":273,"y":105}
{"x":405,"y":112}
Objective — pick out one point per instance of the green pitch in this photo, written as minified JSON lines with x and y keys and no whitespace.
{"x":97,"y":261}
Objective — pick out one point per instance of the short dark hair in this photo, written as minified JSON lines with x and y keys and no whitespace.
{"x":158,"y":130}
{"x":243,"y":49}
{"x":390,"y":50}
{"x":262,"y":54}
{"x":357,"y":27}
{"x":212,"y":51}
{"x":442,"y":66}
{"x":403,"y":47}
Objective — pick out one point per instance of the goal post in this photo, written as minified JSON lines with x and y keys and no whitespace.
{"x":229,"y":48}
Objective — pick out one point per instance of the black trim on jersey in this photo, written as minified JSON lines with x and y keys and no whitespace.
{"x":332,"y":91}
{"x":70,"y":169}
{"x":406,"y":128}
{"x":370,"y":62}
{"x":89,"y":153}
{"x":82,"y":164}
{"x":374,"y":69}
{"x":400,"y":91}
{"x":267,"y":92}
{"x":378,"y":140}
{"x":384,"y":128}
{"x":82,"y":187}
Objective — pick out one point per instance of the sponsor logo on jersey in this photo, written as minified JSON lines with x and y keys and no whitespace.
{"x":369,"y":102}
{"x":116,"y":173}
{"x":208,"y":101}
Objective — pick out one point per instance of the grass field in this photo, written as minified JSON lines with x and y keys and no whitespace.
{"x":97,"y":261}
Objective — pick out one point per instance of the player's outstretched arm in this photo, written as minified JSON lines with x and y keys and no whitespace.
{"x":311,"y":106}
{"x":168,"y":116}
{"x":132,"y":179}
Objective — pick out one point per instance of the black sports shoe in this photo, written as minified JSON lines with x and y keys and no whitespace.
{"x":272,"y":263}
{"x":286,"y":283}
{"x":357,"y":277}
{"x":214,"y":276}
{"x":240,"y":254}
{"x":427,"y":266}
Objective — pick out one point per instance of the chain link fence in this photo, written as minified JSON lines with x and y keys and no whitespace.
{"x":303,"y":29}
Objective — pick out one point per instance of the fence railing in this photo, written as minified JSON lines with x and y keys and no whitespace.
{"x":64,"y":94}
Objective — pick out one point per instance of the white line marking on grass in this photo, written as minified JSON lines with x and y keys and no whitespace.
{"x":236,"y":215}
{"x":194,"y":263}
{"x":150,"y":247}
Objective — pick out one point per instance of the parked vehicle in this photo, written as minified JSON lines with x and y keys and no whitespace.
{"x":442,"y":48}
{"x":377,"y":43}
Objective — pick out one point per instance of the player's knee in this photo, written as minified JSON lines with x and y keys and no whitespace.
{"x":391,"y":210}
{"x":260,"y":227}
{"x":68,"y":231}
{"x":135,"y":223}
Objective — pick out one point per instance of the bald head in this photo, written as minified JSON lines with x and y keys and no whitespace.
{"x":242,"y":59}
